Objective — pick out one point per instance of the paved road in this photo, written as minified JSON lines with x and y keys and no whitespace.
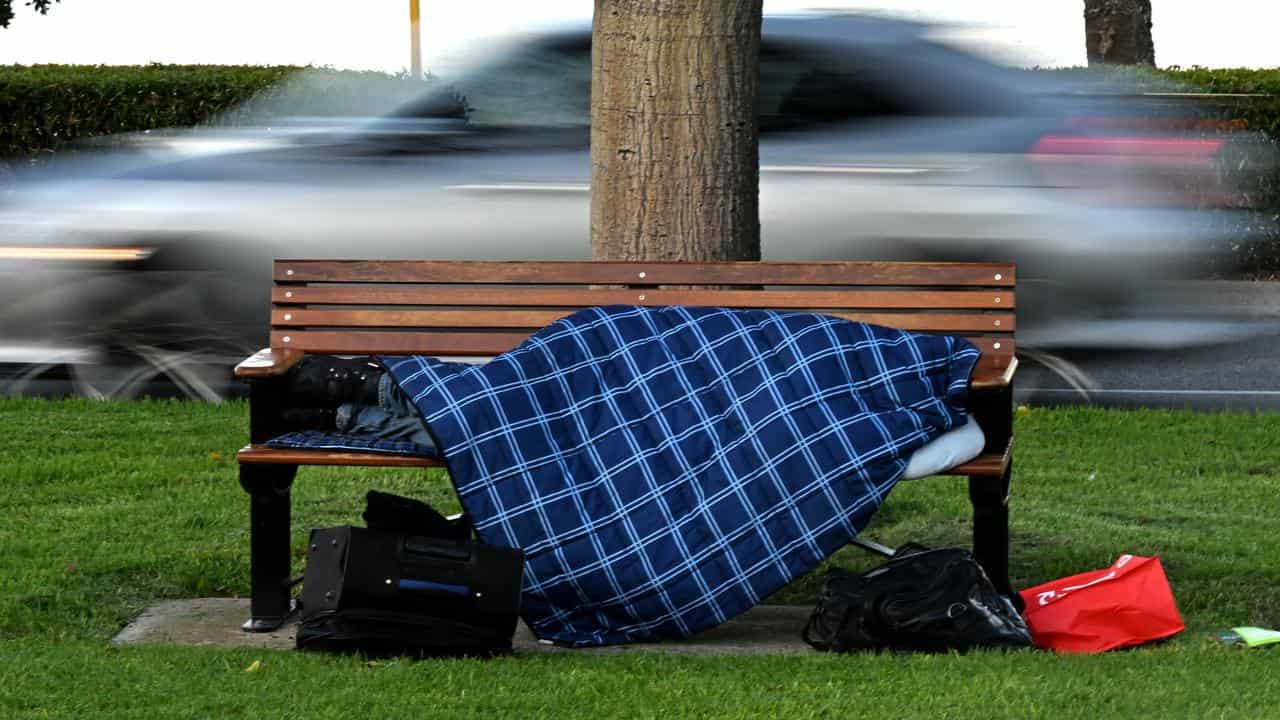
{"x":1238,"y":375}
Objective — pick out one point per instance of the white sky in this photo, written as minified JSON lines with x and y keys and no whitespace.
{"x":374,"y":34}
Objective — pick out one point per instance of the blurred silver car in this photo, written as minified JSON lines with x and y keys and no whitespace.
{"x":119,"y":269}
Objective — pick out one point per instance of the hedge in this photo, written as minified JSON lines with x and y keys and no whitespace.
{"x":1259,"y":113}
{"x":1261,"y":257}
{"x":44,"y":108}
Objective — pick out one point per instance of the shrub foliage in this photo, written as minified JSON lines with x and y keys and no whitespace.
{"x":46,"y":108}
{"x":1256,"y":108}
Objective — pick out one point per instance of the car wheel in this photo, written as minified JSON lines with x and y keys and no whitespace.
{"x":138,"y":370}
{"x":173,"y":326}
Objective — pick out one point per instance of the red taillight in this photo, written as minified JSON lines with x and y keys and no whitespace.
{"x":1135,"y":147}
{"x":1131,"y":169}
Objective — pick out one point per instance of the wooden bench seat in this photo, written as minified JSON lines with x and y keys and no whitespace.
{"x":993,"y":463}
{"x":483,"y":308}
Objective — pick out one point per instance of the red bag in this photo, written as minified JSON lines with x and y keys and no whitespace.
{"x":1127,"y":604}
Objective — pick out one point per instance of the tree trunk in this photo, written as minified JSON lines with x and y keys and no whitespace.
{"x":1119,"y":32}
{"x":674,"y":144}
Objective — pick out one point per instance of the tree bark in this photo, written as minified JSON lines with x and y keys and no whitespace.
{"x":1118,"y":32}
{"x":674,"y":140}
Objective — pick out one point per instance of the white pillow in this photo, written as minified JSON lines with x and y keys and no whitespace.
{"x":947,"y":451}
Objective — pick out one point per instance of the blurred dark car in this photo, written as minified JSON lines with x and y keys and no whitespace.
{"x":876,"y":143}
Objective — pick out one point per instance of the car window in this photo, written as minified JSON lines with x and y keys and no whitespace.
{"x":548,"y":84}
{"x":803,"y":87}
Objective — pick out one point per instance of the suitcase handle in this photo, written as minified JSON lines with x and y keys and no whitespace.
{"x":430,"y":586}
{"x":420,"y":545}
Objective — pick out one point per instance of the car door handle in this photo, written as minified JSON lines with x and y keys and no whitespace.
{"x":523,"y":188}
{"x":851,"y":169}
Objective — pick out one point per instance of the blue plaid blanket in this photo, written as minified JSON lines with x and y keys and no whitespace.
{"x":320,"y":440}
{"x":665,"y":469}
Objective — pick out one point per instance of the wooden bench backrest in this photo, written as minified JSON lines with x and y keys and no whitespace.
{"x":482,"y":308}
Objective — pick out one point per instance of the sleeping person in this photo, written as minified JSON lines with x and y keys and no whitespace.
{"x":357,"y":396}
{"x":663,"y":469}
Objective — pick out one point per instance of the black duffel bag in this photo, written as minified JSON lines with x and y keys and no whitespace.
{"x":384,"y":593}
{"x":929,"y":600}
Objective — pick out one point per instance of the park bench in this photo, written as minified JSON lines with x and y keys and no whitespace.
{"x":483,"y":308}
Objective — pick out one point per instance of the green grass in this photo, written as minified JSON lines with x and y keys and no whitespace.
{"x":109,"y":507}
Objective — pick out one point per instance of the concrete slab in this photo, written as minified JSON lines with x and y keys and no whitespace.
{"x":767,"y":629}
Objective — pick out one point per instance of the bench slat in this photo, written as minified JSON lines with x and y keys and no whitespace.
{"x":817,"y":300}
{"x":535,"y":319}
{"x":263,"y":455}
{"x":429,"y":342}
{"x":992,"y":464}
{"x":655,"y":273}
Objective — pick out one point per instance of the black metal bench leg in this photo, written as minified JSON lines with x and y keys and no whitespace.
{"x":269,"y":562}
{"x":990,"y":498}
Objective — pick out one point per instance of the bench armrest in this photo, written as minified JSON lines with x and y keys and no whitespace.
{"x":993,"y":372}
{"x":267,"y":363}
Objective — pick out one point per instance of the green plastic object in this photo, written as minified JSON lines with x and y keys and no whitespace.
{"x":1250,"y":636}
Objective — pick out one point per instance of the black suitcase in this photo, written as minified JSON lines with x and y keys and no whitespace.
{"x":390,"y":594}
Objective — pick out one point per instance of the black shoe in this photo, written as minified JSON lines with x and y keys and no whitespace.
{"x":294,"y":419}
{"x":329,"y":382}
